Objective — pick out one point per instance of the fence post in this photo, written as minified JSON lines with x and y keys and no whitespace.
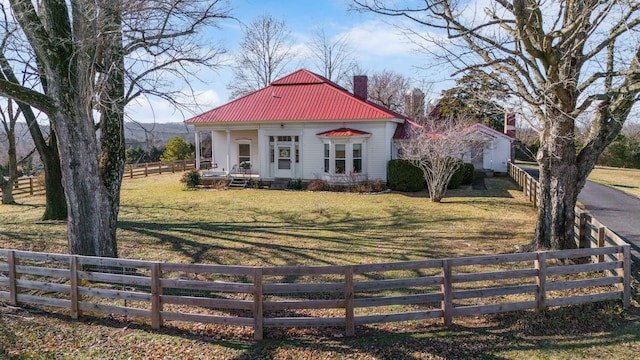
{"x":535,"y":194}
{"x":540,"y":264}
{"x":625,"y":286}
{"x":131,"y":171}
{"x":146,"y":169}
{"x":160,"y":168}
{"x":73,"y":282}
{"x":582,"y":231}
{"x":348,"y":302}
{"x":601,"y":238}
{"x":156,"y":292}
{"x":447,"y":292}
{"x":258,"y":310}
{"x":13,"y":289}
{"x":173,"y":166}
{"x":184,"y":165}
{"x":31,"y":185}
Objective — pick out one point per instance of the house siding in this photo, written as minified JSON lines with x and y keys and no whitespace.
{"x":377,"y":146}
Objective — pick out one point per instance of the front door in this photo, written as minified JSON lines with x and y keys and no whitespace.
{"x":283,"y":161}
{"x":477,"y":156}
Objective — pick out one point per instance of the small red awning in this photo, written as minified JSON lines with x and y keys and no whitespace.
{"x":343,"y":132}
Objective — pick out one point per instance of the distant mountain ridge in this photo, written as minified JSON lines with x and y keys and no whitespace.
{"x":144,"y":135}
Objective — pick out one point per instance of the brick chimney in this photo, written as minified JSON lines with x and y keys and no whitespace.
{"x":510,"y":125}
{"x":414,"y":104}
{"x":360,"y":86}
{"x":510,"y":131}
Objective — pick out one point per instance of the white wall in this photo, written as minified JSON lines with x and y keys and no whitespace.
{"x":377,"y":147}
{"x":497,"y":154}
{"x":236,"y":137}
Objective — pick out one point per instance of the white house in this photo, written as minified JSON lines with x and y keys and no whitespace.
{"x":304,"y":126}
{"x":493,"y":152}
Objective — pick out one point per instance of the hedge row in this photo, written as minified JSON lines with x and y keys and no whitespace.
{"x":404,"y":176}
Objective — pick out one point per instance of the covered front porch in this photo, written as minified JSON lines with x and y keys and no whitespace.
{"x":249,"y":153}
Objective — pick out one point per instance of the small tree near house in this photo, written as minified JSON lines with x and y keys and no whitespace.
{"x":437,"y":148}
{"x":177,"y":149}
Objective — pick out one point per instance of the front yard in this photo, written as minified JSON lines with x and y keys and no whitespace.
{"x":161,"y":221}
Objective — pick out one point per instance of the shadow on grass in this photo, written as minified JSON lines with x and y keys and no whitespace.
{"x":564,"y":332}
{"x":571,"y":329}
{"x":322,"y":238}
{"x":497,"y":187}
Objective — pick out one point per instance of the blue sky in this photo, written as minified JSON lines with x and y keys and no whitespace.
{"x":377,"y":45}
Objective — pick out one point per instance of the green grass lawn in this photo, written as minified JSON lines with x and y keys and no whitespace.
{"x":161,"y":221}
{"x":627,"y":180}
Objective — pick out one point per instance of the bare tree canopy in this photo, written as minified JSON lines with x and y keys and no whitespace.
{"x":566,"y":61}
{"x":437,"y":148}
{"x":164,"y":49}
{"x":263,"y":56}
{"x":79,"y":49}
{"x":388,"y":88}
{"x":332,"y":58}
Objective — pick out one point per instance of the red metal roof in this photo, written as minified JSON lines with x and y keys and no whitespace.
{"x":403,"y":131}
{"x":300,"y":96}
{"x":343,"y":132}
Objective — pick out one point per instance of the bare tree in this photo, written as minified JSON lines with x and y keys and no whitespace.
{"x":263,"y":56}
{"x":566,"y":61}
{"x":334,"y":59}
{"x":388,"y":88}
{"x":437,"y":148}
{"x":80,"y":50}
{"x":15,"y":53}
{"x":8,"y":118}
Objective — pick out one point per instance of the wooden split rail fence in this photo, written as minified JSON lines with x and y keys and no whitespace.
{"x":31,"y":185}
{"x":343,"y":296}
{"x":27,"y":186}
{"x":132,"y":171}
{"x":589,"y":232}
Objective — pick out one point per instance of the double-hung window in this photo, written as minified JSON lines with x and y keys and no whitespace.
{"x":344,"y":151}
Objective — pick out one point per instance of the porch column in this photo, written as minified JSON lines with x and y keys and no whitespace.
{"x":228,"y":151}
{"x":213,"y":158}
{"x":292,"y":156}
{"x":197,"y":150}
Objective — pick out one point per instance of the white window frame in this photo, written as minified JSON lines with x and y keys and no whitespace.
{"x":348,"y":143}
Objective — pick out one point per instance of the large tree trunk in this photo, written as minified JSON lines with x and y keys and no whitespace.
{"x":89,"y":211}
{"x":70,"y":75}
{"x":55,"y":200}
{"x":7,"y":187}
{"x":558,"y":194}
{"x":111,"y":106}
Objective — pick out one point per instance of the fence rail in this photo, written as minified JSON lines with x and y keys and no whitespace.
{"x":314,"y":296}
{"x":132,"y":171}
{"x":589,"y":232}
{"x":27,"y":186}
{"x":34,"y":185}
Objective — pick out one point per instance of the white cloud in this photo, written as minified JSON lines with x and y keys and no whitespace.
{"x":376,"y":38}
{"x":148,"y":110}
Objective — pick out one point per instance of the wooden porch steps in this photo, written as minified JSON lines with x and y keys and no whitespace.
{"x":238,"y":183}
